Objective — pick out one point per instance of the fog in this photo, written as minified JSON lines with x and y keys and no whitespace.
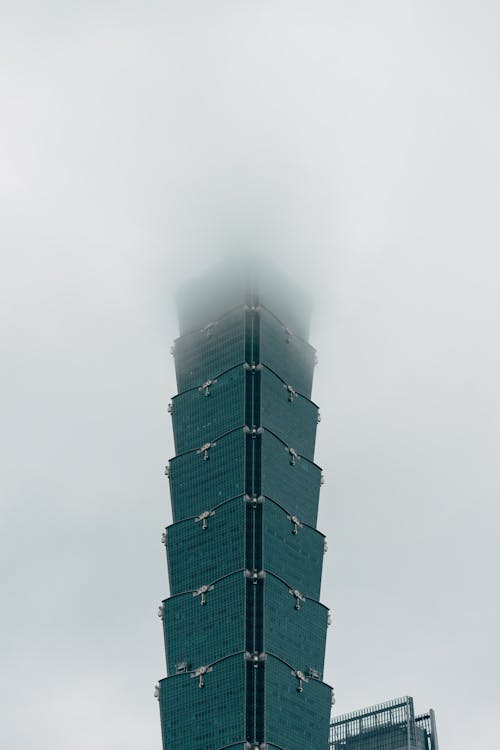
{"x":355,"y":143}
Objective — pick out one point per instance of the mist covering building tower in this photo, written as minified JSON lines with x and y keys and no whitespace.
{"x":244,"y":629}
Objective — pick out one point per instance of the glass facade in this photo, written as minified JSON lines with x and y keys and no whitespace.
{"x":244,"y":628}
{"x":388,"y":726}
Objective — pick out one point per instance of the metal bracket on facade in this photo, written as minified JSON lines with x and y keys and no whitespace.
{"x":206,"y":386}
{"x":170,"y":408}
{"x":164,"y":537}
{"x":255,"y":658}
{"x":254,"y":499}
{"x":172,"y":349}
{"x":202,"y":593}
{"x":294,"y":456}
{"x":204,"y":449}
{"x":208,"y":329}
{"x":292,"y":393}
{"x":333,"y":697}
{"x":252,"y":368}
{"x":301,"y":678}
{"x":253,"y":431}
{"x":318,"y":417}
{"x":325,"y":546}
{"x":321,"y":480}
{"x":157,"y":691}
{"x":167,"y":470}
{"x":161,"y":610}
{"x":203,"y":517}
{"x":296,"y":524}
{"x":255,"y":575}
{"x":200,"y":673}
{"x":329,"y":619}
{"x":288,"y":335}
{"x":298,"y":597}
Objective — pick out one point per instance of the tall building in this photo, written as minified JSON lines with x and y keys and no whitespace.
{"x":244,"y":628}
{"x":387,"y":726}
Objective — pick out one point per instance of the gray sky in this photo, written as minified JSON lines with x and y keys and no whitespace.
{"x":356,"y":142}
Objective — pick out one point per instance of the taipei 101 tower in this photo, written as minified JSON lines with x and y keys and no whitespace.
{"x":244,"y":628}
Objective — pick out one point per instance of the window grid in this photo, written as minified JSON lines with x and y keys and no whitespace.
{"x":197,"y":634}
{"x":202,"y":355}
{"x":296,"y":635}
{"x":291,"y":357}
{"x":195,"y":553}
{"x":197,"y":485}
{"x":298,"y":557}
{"x":295,"y":487}
{"x":197,"y":418}
{"x":295,"y":421}
{"x":214,"y":716}
{"x":294,"y":720}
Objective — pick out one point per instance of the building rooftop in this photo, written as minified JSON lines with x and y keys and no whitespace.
{"x":387,"y":726}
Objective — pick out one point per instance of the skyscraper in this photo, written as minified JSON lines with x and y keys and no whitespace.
{"x":244,"y":628}
{"x":387,"y":726}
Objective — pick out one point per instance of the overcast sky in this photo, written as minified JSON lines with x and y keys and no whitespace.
{"x":357,"y":142}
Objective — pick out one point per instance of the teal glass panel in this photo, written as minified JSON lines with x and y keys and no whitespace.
{"x":205,"y":354}
{"x":294,"y":557}
{"x":197,"y":633}
{"x":294,"y":720}
{"x":289,"y":356}
{"x":296,"y":487}
{"x":195,"y":718}
{"x":292,"y":417}
{"x":196,"y":553}
{"x":297,"y":636}
{"x":197,"y":484}
{"x":198,"y":418}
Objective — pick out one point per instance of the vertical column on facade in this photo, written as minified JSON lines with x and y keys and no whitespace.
{"x":253,"y":537}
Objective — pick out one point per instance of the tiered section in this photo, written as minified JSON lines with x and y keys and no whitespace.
{"x":244,"y":630}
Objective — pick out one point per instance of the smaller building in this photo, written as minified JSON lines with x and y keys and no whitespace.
{"x":388,"y":726}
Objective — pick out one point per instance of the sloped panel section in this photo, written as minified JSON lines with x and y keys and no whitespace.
{"x":295,"y":720}
{"x":196,"y":484}
{"x":203,"y":627}
{"x":209,"y":717}
{"x":294,"y":627}
{"x":203,"y":412}
{"x":288,"y":414}
{"x":293,"y":483}
{"x":206,"y":353}
{"x":289,"y":356}
{"x":207,"y":549}
{"x":297,"y":557}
